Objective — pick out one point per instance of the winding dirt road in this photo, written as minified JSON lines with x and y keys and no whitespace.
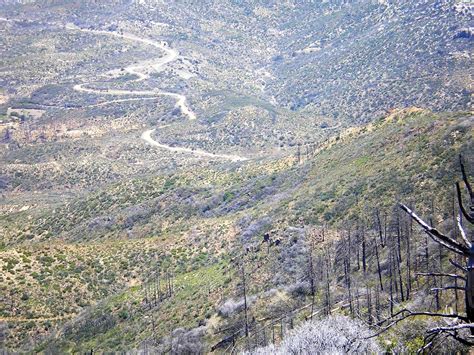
{"x":146,"y":136}
{"x":141,"y":71}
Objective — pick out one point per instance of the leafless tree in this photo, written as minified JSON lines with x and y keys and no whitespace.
{"x":465,"y":250}
{"x":244,"y":291}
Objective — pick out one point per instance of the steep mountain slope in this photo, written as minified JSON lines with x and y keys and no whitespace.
{"x":195,"y":224}
{"x":357,"y":60}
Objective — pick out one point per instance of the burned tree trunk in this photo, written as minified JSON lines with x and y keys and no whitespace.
{"x":379,"y":269}
{"x":408,"y":258}
{"x":379,"y":225}
{"x":312,"y":278}
{"x":364,"y":252}
{"x":328,"y":286}
{"x":469,"y":215}
{"x":244,"y":293}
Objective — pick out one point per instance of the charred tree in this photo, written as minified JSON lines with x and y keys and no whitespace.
{"x":465,"y":249}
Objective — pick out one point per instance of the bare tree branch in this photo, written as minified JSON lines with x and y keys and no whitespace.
{"x":406,"y":313}
{"x":430,"y":338}
{"x":431,"y":314}
{"x":452,"y":327}
{"x":466,"y":214}
{"x":463,"y":233}
{"x":448,"y":288}
{"x":427,"y":342}
{"x":438,"y":237}
{"x":455,"y":264}
{"x":466,"y":181}
{"x":454,"y":335}
{"x":440,"y":274}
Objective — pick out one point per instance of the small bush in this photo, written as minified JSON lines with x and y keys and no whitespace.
{"x":332,"y":335}
{"x":231,"y":306}
{"x":187,"y":341}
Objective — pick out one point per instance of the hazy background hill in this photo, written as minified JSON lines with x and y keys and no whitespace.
{"x":351,"y":60}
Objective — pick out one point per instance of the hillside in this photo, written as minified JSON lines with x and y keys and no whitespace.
{"x":193,"y":226}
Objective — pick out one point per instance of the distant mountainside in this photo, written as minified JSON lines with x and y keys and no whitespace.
{"x":348,"y":60}
{"x":359,"y":59}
